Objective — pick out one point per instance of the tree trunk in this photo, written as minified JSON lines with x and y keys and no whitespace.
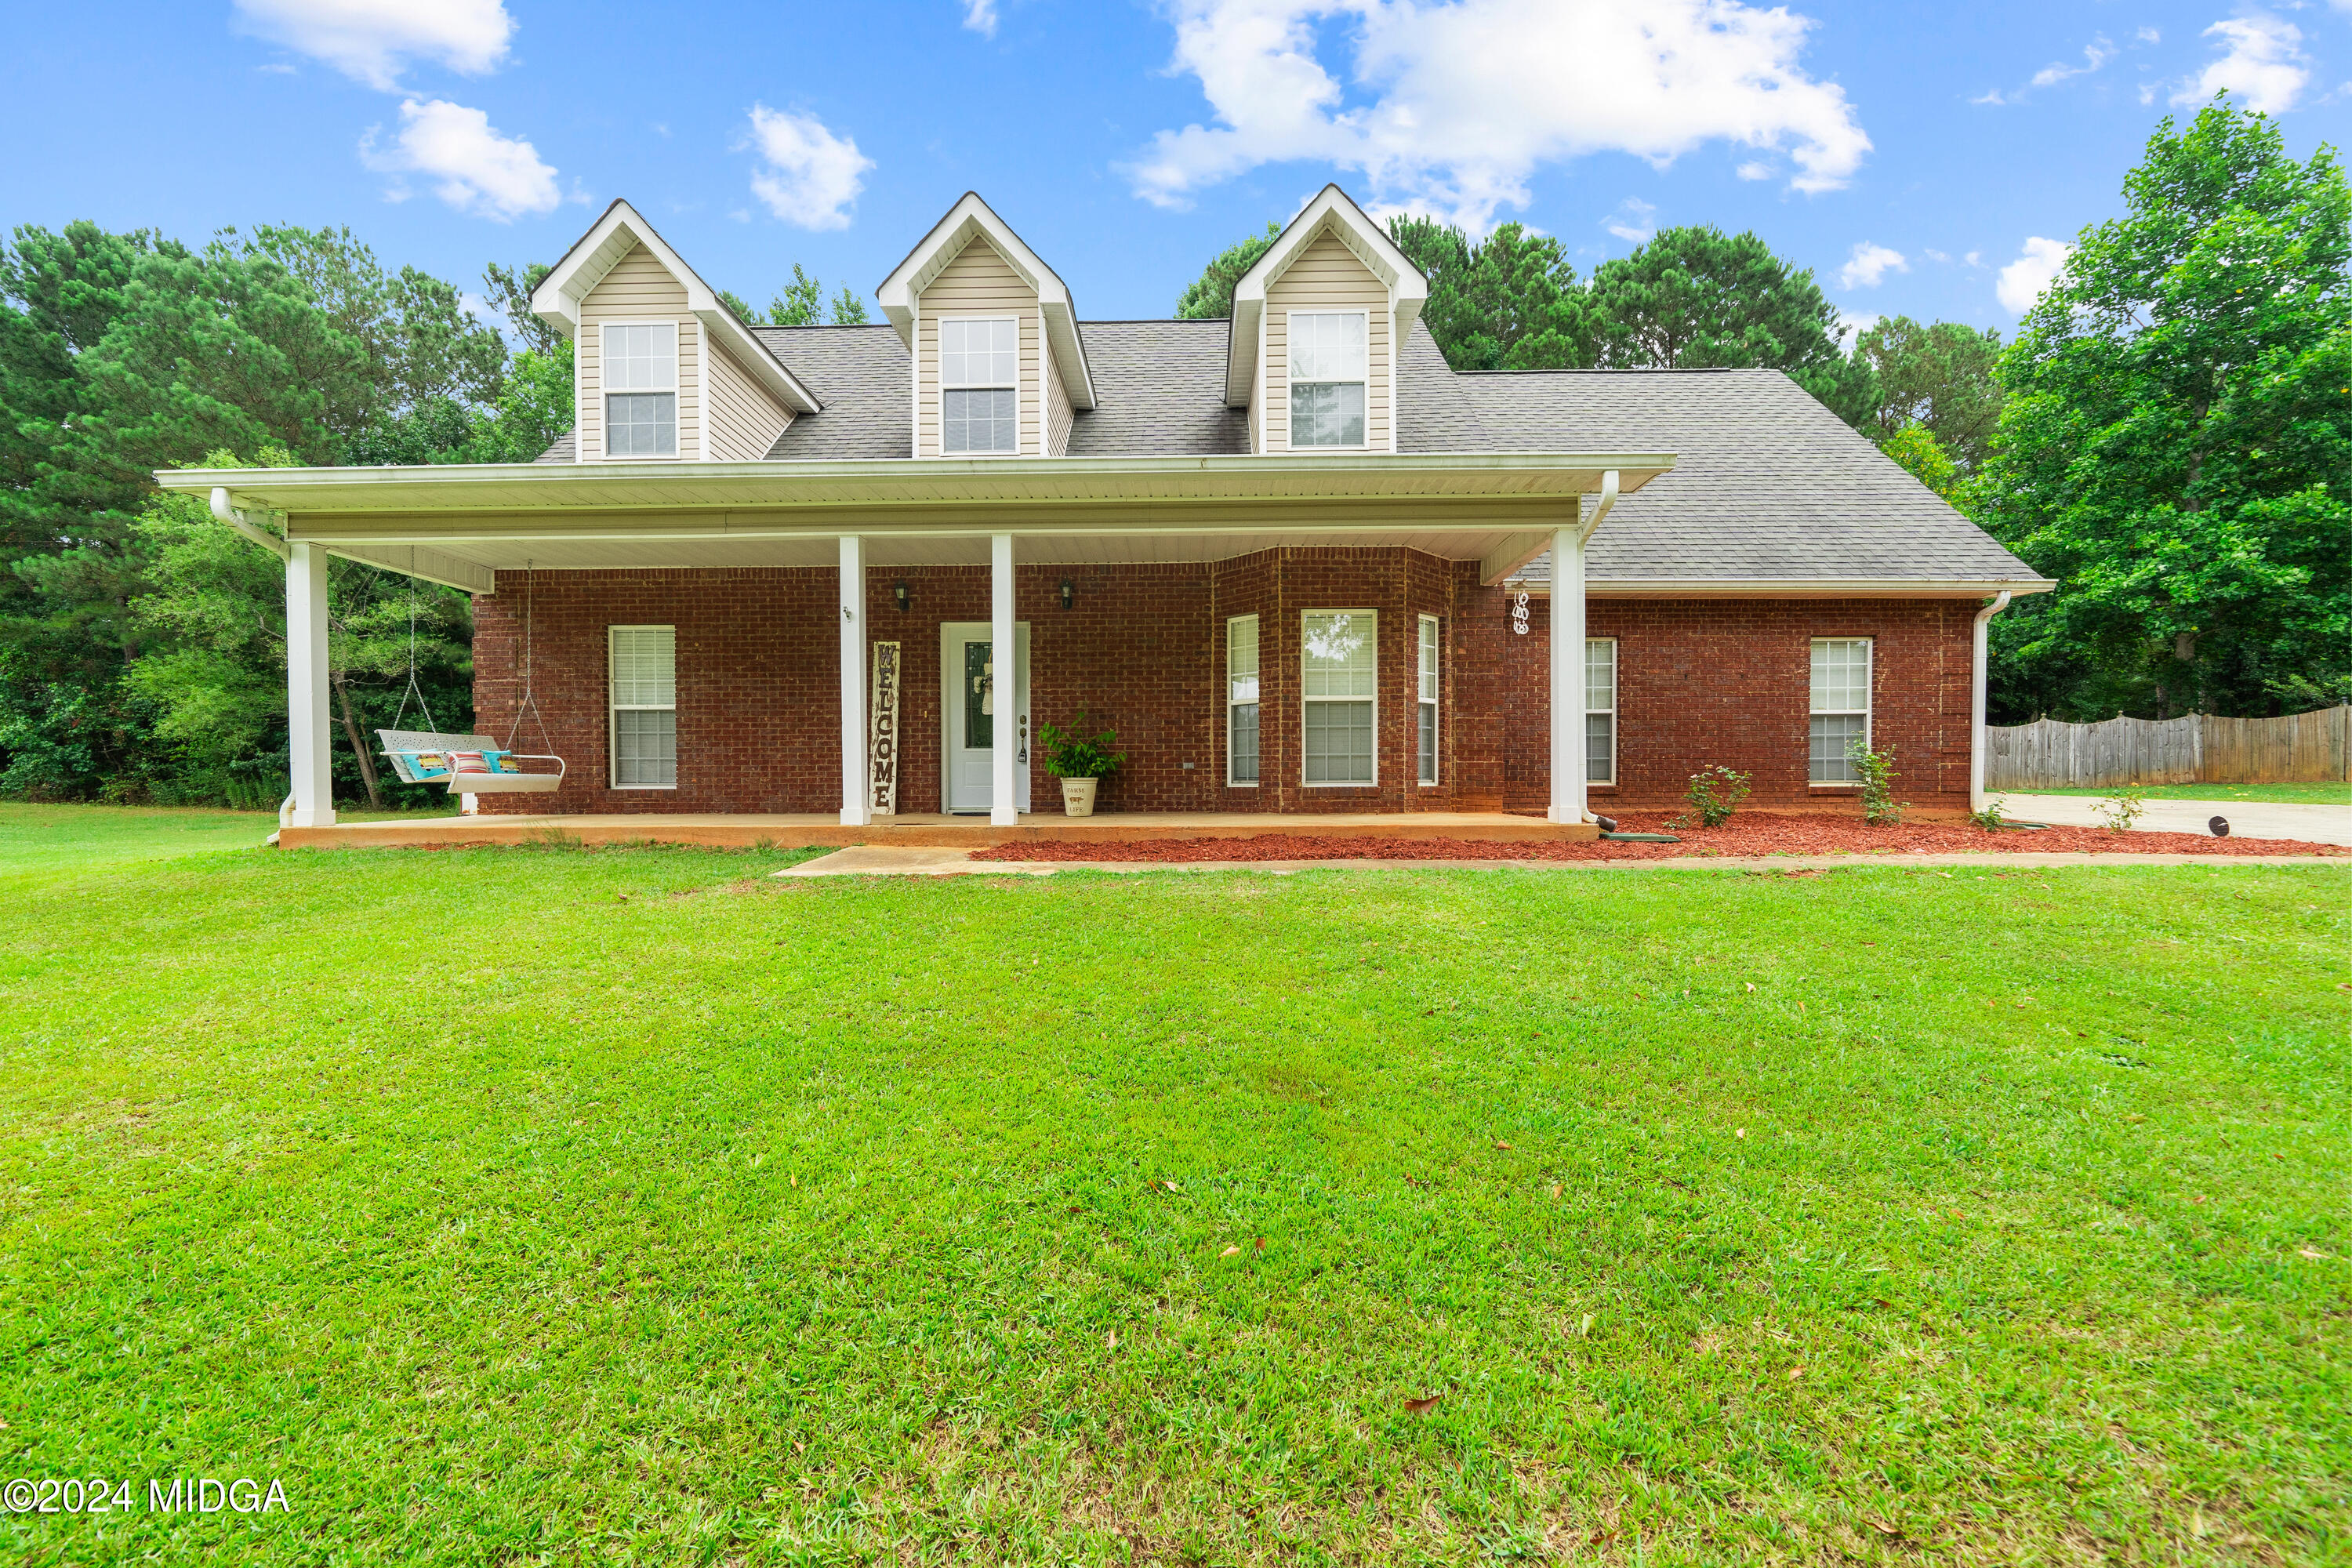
{"x":352,"y":731}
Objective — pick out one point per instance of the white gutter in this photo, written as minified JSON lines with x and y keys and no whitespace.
{"x":236,"y":520}
{"x":1600,"y":512}
{"x":1976,"y":704}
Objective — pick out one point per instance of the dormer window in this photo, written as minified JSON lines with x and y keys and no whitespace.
{"x":1327,"y":372}
{"x":979,"y":399}
{"x":641,"y":389}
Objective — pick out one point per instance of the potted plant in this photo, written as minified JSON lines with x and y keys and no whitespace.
{"x":1080,"y":763}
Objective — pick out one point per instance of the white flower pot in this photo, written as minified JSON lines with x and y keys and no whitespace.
{"x":1079,"y":796}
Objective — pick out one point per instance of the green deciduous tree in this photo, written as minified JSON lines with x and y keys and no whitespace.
{"x":1210,"y":296}
{"x":1508,"y":303}
{"x":1939,"y":377}
{"x":2176,"y":449}
{"x":1695,"y":297}
{"x":1915,"y":447}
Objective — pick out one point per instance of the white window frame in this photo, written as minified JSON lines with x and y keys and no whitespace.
{"x":1428,"y":672}
{"x":1290,"y":383}
{"x":1257,"y":676}
{"x":606,"y":394}
{"x":1304,"y":702}
{"x":1589,"y":645}
{"x":613,"y":730}
{"x":946,"y":386}
{"x":1869,"y":690}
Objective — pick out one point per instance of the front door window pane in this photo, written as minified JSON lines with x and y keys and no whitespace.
{"x":979,"y":697}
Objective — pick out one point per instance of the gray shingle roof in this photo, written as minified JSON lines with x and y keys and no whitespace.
{"x":859,"y":374}
{"x":1160,"y":390}
{"x":1768,"y":484}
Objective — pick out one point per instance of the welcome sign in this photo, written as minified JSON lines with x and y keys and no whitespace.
{"x":882,"y":734}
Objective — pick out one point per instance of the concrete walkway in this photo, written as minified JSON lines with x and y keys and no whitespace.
{"x":875,"y":860}
{"x":2248,"y":818}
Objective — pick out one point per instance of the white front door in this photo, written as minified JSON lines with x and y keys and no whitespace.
{"x":977,"y":720}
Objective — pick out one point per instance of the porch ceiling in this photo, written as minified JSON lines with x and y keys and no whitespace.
{"x":458,"y":524}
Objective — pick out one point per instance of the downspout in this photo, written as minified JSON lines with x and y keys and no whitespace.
{"x":276,"y":546}
{"x":1977,"y":703}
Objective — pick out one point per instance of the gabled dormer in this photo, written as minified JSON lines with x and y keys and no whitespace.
{"x":1316,"y":328}
{"x":662,"y":369}
{"x":999,"y":366}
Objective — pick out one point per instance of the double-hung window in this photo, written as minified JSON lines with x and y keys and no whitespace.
{"x":1338,"y":680}
{"x":1840,"y":708}
{"x":980,"y":385}
{"x":640,"y":389}
{"x":1426,"y":708}
{"x":645,"y":707}
{"x":1241,"y":700}
{"x":1600,"y":710}
{"x":1328,"y":374}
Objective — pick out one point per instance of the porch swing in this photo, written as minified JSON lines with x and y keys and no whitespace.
{"x":471,"y":764}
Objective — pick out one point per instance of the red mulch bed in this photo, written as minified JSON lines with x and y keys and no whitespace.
{"x":1750,"y":833}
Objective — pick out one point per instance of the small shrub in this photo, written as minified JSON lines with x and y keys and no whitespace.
{"x":1879,"y":806}
{"x":1713,"y":795}
{"x":1990,"y":817}
{"x":2121,"y":809}
{"x":1069,"y":755}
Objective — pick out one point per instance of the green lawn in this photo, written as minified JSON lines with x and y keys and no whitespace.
{"x":81,"y":837}
{"x":630,"y":1206}
{"x":2335,"y":794}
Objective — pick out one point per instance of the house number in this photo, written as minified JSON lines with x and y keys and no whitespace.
{"x":1520,"y":614}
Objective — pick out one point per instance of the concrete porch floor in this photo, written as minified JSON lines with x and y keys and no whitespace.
{"x":921,"y":830}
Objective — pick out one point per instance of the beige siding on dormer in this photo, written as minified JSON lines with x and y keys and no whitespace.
{"x":638,"y":288}
{"x":745,"y":417}
{"x":978,"y":282}
{"x":1058,"y":408}
{"x":1327,"y":276}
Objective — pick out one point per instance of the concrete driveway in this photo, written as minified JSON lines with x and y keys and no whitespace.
{"x":2248,"y":818}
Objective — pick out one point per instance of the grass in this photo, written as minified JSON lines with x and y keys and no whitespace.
{"x":2337,"y":792}
{"x":629,"y":1206}
{"x":75,"y":839}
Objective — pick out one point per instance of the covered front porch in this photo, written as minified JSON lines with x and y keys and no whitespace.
{"x":799,"y":597}
{"x":743,"y":830}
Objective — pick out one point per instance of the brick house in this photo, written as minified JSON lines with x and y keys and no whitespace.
{"x":1301,"y":566}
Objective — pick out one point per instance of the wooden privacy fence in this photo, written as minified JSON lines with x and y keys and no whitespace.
{"x":2199,"y":748}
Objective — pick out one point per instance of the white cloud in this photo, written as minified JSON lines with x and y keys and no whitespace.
{"x":1634,"y":219}
{"x":2261,"y":61}
{"x":471,"y":166}
{"x":1457,"y":104}
{"x":2023,"y":280}
{"x":980,"y":16}
{"x":374,"y":40}
{"x":1755,"y":170}
{"x":1869,"y":265}
{"x":2150,"y":36}
{"x":2096,"y":53}
{"x":1932,"y":254}
{"x":811,"y":177}
{"x":1973,"y":258}
{"x":1851,"y":327}
{"x":1992,"y":96}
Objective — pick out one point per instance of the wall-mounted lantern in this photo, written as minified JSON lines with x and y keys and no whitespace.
{"x":898,"y":591}
{"x":1069,"y":592}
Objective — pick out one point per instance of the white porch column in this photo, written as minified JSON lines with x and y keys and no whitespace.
{"x":1004,"y":793}
{"x":1567,"y":676}
{"x":856,"y":787}
{"x":308,"y":736}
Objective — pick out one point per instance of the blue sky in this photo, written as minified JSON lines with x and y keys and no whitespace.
{"x":1923,"y":159}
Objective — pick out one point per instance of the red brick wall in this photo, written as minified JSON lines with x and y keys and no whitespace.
{"x":1701,"y":681}
{"x":1141,"y":649}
